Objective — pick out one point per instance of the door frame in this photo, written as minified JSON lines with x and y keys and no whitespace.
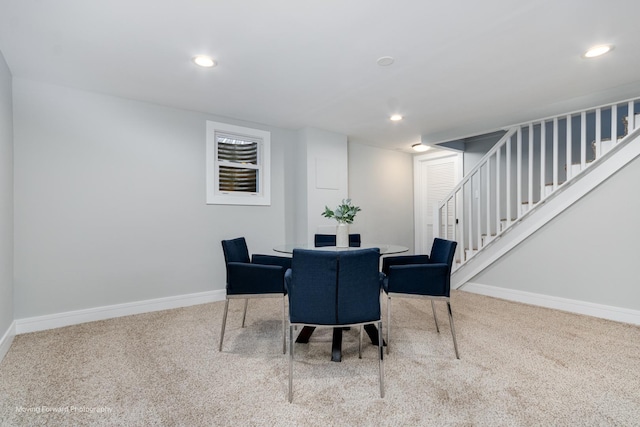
{"x":418,"y":203}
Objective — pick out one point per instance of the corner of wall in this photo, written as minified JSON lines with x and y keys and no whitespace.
{"x":6,"y":340}
{"x":7,"y":316}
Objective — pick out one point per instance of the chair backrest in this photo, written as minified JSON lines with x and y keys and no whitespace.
{"x":322,"y":240}
{"x":235,"y":250}
{"x":442,"y":252}
{"x":334,"y":288}
{"x":359,"y":286}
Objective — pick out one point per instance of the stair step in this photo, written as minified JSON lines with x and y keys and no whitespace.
{"x":605,"y":145}
{"x":580,"y":163}
{"x":484,"y":239}
{"x":468,"y":253}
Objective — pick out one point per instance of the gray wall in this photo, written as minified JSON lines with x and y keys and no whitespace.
{"x":587,"y":253}
{"x":6,"y":199}
{"x":381,"y":183}
{"x":476,"y":147}
{"x":110,"y":201}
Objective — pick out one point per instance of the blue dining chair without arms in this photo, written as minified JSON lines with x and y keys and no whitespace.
{"x":261,"y":276}
{"x":421,"y":276}
{"x":322,"y":240}
{"x":334,"y":289}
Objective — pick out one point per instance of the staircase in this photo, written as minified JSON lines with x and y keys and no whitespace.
{"x":533,"y":173}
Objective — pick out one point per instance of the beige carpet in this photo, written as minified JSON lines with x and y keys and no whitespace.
{"x":520,"y":366}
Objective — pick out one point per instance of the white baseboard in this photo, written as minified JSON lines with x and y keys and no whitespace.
{"x":617,"y":314}
{"x":58,"y":320}
{"x":7,"y":339}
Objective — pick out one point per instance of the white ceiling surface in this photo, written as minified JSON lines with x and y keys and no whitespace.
{"x":461,"y":67}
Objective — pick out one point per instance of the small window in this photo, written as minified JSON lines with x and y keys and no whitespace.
{"x":238,"y":169}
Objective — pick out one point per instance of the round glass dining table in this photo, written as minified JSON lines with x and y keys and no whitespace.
{"x":385,"y":249}
{"x":372,"y":331}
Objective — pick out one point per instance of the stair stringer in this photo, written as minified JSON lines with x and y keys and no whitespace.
{"x":565,"y":196}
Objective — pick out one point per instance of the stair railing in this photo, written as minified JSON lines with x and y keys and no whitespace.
{"x":528,"y":164}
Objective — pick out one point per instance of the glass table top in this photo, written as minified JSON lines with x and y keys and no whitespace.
{"x":385,"y":248}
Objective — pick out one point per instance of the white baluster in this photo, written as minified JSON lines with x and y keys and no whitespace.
{"x":614,"y":125}
{"x":478,"y":199}
{"x":543,"y":160}
{"x":469,"y":206}
{"x":598,"y":131}
{"x":519,"y":173}
{"x":530,"y":165}
{"x":569,"y":158}
{"x":498,"y":215}
{"x":555,"y":153}
{"x":583,"y":140}
{"x":508,"y":181}
{"x":488,"y":195}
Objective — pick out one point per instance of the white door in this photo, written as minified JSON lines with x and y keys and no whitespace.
{"x":435,"y":175}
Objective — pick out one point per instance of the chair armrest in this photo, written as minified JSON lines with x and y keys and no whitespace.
{"x":284,"y":262}
{"x":403,"y":260}
{"x":419,"y":279}
{"x":244,"y":278}
{"x":288,"y":277}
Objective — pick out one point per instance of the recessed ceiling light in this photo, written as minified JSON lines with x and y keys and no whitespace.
{"x":598,"y":51}
{"x":385,"y":61}
{"x":204,"y":61}
{"x":420,"y":147}
{"x":395,"y":118}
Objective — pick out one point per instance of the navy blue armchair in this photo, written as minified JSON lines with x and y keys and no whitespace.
{"x":262,"y":276}
{"x":321,"y":240}
{"x":423,"y":276}
{"x":334,"y":289}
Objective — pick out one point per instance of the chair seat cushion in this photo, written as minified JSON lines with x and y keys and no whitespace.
{"x":403,"y":260}
{"x":244,"y":279}
{"x":420,"y":279}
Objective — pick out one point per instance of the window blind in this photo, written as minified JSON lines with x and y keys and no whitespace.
{"x":239,"y":163}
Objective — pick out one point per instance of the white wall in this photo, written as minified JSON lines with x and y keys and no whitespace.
{"x":323,"y":180}
{"x":6,"y":201}
{"x":587,"y":253}
{"x":381,"y":183}
{"x":110,"y":201}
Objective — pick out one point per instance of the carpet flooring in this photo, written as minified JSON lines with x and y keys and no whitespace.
{"x":520,"y":366}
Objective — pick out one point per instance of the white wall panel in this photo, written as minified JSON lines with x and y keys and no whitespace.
{"x":323,"y":181}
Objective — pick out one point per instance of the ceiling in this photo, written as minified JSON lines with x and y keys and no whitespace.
{"x":461,"y":68}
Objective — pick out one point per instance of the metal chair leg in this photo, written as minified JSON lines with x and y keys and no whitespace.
{"x":453,"y":331}
{"x":244,"y":314}
{"x":360,"y":343}
{"x":224,"y":323}
{"x":381,"y":358}
{"x":388,"y":323}
{"x":435,"y":318}
{"x":291,"y":363}
{"x":284,"y":327}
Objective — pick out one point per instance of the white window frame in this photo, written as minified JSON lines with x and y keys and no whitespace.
{"x":263,"y":195}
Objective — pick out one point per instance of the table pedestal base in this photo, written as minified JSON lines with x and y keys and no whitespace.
{"x":336,"y":344}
